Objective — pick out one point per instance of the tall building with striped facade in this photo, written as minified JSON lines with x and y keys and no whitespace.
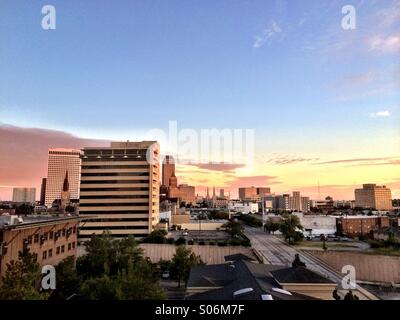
{"x":61,"y":161}
{"x":120,"y":189}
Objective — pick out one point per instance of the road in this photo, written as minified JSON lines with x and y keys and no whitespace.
{"x":276,"y":251}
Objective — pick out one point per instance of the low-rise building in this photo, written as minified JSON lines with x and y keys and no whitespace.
{"x":361,"y":225}
{"x":50,"y":238}
{"x":243,"y":207}
{"x":241,"y":278}
{"x":317,"y":224}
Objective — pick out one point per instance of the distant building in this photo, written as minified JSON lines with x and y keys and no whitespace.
{"x":372,"y":196}
{"x":24,"y":195}
{"x":168,"y":170}
{"x":120,"y":189}
{"x":283,"y":202}
{"x":295,"y":201}
{"x":361,"y":225}
{"x":253,"y":193}
{"x":317,"y":225}
{"x":43,"y":192}
{"x":244,"y":206}
{"x":305,"y":204}
{"x":59,"y":162}
{"x":183,"y":193}
{"x":50,"y":239}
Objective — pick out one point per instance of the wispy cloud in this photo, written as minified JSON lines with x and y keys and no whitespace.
{"x":380,"y":114}
{"x":267,"y":34}
{"x":383,"y":44}
{"x":283,"y":160}
{"x":362,"y":161}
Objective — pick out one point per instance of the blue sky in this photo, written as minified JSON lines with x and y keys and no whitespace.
{"x":284,"y":68}
{"x":111,"y":63}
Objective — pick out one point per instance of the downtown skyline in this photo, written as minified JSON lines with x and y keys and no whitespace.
{"x":323,"y":101}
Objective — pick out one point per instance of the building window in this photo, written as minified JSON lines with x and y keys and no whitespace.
{"x":58,"y":250}
{"x":73,"y":245}
{"x":36,"y":238}
{"x":69,"y":246}
{"x":74,"y":230}
{"x":50,"y":253}
{"x":44,"y":255}
{"x":62,"y":249}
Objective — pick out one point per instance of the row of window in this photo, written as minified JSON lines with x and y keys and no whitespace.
{"x":128,"y":204}
{"x":113,"y":181}
{"x":59,"y":250}
{"x":122,"y":166}
{"x":36,"y":238}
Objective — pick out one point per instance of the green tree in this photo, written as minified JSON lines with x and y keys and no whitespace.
{"x":22,"y":279}
{"x":290,"y":226}
{"x":182,"y":261}
{"x":234,"y":228}
{"x":68,"y":280}
{"x":156,"y":236}
{"x":271,"y":226}
{"x":24,"y":209}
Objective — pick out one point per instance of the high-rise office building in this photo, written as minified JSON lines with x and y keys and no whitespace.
{"x":120,"y":189}
{"x":24,"y":195}
{"x":43,"y":192}
{"x":295,"y":201}
{"x":253,"y":193}
{"x":372,"y":196}
{"x":305,"y":204}
{"x":168,"y":170}
{"x":59,"y":162}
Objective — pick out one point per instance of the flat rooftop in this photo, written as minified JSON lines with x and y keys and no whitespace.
{"x":33,"y":220}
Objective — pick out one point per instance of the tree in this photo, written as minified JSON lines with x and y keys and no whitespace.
{"x":116,"y":269}
{"x":290,"y":226}
{"x":68,"y":281}
{"x":70,"y":209}
{"x":24,"y":209}
{"x":271,"y":226}
{"x":156,"y":236}
{"x":22,"y":279}
{"x":182,"y":261}
{"x":234,"y":228}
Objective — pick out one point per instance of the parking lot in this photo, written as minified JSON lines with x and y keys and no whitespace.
{"x":200,"y":235}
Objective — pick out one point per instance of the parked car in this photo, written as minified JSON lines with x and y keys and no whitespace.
{"x":165,"y":274}
{"x":185,"y":233}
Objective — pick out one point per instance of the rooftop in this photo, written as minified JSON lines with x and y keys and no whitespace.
{"x":26,"y":221}
{"x":244,"y":279}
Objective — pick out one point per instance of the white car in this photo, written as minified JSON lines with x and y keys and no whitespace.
{"x":165,"y":275}
{"x":185,"y":234}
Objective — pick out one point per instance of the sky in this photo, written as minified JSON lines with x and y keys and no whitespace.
{"x":323,"y":102}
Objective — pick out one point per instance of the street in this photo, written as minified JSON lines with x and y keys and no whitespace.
{"x":276,"y":251}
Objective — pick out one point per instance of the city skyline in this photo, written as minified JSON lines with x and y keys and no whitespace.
{"x":323,"y":101}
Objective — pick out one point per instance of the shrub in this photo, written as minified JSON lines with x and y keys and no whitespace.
{"x":201,"y":243}
{"x":180,"y":241}
{"x":190,"y":242}
{"x":211,"y":243}
{"x":222,"y":244}
{"x":170,"y":240}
